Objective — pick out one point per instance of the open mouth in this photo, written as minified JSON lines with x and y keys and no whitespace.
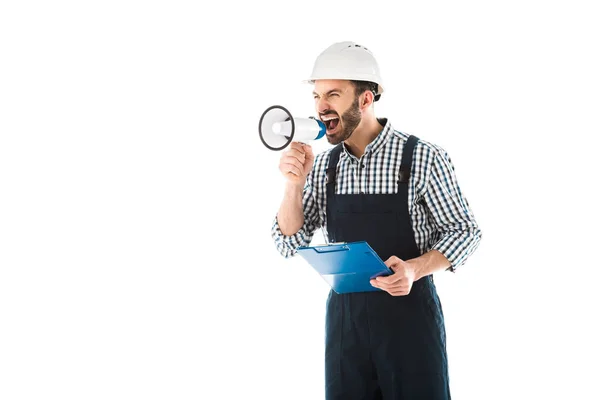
{"x":331,"y":122}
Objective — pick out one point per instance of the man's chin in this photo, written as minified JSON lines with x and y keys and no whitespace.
{"x":334,"y":138}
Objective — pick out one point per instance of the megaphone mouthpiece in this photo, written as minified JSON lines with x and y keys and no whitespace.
{"x":277,"y":128}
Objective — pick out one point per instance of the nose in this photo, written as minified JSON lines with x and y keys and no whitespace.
{"x":322,"y":105}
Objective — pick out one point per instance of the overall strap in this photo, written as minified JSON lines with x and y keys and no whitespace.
{"x":330,"y":178}
{"x":332,"y":167}
{"x":407,"y":157}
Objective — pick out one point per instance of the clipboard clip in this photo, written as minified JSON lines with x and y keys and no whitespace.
{"x":332,"y":247}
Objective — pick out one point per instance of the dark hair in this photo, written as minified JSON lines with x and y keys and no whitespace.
{"x":362,"y":86}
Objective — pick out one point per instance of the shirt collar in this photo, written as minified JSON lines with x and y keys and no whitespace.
{"x":379,"y":142}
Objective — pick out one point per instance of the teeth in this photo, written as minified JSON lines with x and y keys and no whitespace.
{"x":328,"y":118}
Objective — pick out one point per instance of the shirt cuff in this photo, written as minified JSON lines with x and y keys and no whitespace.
{"x":458,"y":249}
{"x":287,"y":244}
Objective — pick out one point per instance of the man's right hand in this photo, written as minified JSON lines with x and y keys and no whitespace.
{"x":296,"y":163}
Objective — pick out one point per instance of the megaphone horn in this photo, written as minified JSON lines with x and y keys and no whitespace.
{"x":277,"y":128}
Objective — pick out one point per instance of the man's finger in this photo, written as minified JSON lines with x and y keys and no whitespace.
{"x":398,"y":292}
{"x":292,"y":162}
{"x":291,"y":169}
{"x":297,"y":146}
{"x":392,"y":261}
{"x":389,"y":286}
{"x":308,"y":150}
{"x":390,"y":279}
{"x":295,"y":155}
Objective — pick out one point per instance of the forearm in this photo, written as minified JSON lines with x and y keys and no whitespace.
{"x":459,"y":233}
{"x":291,"y":215}
{"x":429,"y":263}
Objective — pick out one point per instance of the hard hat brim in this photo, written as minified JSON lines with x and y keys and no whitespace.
{"x":312,"y":82}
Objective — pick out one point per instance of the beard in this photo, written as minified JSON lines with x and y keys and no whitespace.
{"x":349,"y":120}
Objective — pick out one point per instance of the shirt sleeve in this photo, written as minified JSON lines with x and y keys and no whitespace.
{"x":287,"y":245}
{"x":459,"y":233}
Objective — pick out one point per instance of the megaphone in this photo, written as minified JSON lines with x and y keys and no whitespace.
{"x":277,"y":128}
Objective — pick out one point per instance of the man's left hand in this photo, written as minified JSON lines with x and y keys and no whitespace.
{"x":401,"y":281}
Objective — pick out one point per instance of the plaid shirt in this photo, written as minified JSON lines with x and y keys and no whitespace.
{"x":440,"y":214}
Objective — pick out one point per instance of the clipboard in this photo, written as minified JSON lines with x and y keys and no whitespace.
{"x":346,"y":267}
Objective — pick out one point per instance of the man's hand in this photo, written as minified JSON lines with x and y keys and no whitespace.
{"x":401,"y":281}
{"x":296,"y":162}
{"x":407,"y":272}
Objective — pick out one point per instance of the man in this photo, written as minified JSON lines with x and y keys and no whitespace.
{"x":398,"y":193}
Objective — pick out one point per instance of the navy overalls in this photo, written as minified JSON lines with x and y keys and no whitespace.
{"x":380,"y":346}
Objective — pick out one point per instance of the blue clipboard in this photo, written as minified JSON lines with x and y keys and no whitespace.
{"x":346,"y":267}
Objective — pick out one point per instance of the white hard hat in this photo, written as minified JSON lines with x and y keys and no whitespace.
{"x":347,"y":61}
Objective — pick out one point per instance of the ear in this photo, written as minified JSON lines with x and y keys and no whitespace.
{"x":367,"y":98}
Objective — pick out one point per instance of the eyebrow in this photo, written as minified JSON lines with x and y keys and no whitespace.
{"x":329,"y":92}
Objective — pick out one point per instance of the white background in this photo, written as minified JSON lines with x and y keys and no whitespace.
{"x":136,"y":198}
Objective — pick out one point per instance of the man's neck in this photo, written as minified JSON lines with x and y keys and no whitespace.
{"x":364,"y":134}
